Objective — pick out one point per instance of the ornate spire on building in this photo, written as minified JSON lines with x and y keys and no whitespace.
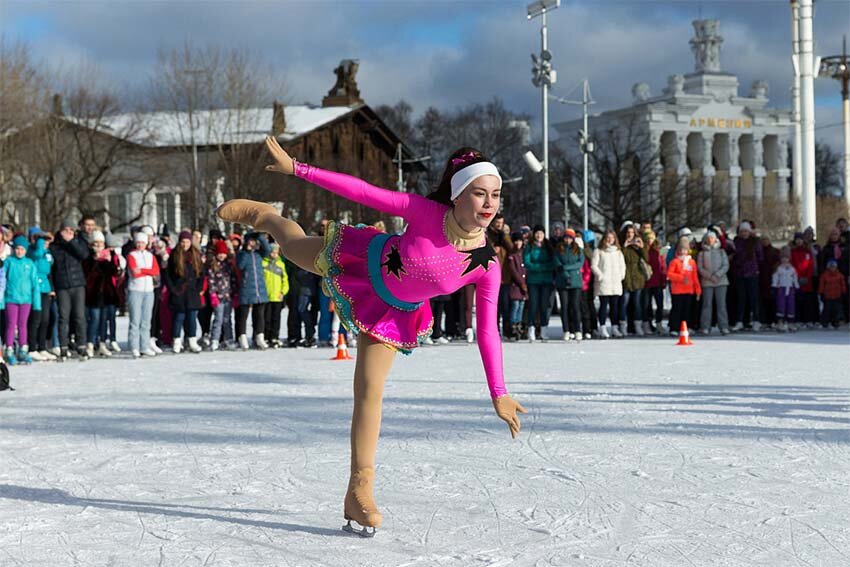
{"x":345,"y":91}
{"x":706,"y":46}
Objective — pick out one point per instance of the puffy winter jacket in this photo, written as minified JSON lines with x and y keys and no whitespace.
{"x":609,"y":269}
{"x":747,"y":258}
{"x":832,"y":285}
{"x":183,"y":292}
{"x":539,"y":264}
{"x":68,"y":259}
{"x":804,"y":262}
{"x":713,"y":265}
{"x":684,"y":276}
{"x":221,"y":278}
{"x":785,"y":277}
{"x":43,"y":259}
{"x":568,"y":270}
{"x":250,"y":264}
{"x":277,"y":282}
{"x":21,"y":282}
{"x":100,"y":285}
{"x":635,"y":278}
{"x":658,"y":263}
{"x":516,"y":266}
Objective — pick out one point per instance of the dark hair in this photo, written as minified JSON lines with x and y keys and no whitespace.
{"x":443,"y":193}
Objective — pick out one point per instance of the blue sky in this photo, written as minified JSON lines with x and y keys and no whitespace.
{"x":437,"y":52}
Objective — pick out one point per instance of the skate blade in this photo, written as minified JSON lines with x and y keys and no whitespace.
{"x":362,"y":531}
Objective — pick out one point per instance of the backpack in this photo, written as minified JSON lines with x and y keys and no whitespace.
{"x":4,"y":377}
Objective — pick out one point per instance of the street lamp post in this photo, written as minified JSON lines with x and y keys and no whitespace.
{"x":585,"y":144}
{"x":544,"y":76}
{"x":838,"y":67}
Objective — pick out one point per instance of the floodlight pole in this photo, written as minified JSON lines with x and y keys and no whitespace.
{"x":544,"y":76}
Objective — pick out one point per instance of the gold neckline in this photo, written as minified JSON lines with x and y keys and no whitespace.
{"x":460,"y":238}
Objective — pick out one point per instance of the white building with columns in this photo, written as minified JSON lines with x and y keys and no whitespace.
{"x":732,"y":148}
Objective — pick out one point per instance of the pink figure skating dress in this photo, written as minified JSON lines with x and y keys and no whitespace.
{"x":381,"y":283}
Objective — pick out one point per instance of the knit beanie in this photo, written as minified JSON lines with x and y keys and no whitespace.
{"x":20,"y":240}
{"x":221,"y":247}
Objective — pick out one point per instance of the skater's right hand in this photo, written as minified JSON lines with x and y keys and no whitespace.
{"x":283,"y":163}
{"x":507,"y":408}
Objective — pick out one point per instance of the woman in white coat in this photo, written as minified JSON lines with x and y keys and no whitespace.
{"x":609,"y":269}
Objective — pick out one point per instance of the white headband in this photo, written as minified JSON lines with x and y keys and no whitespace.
{"x":465,"y":176}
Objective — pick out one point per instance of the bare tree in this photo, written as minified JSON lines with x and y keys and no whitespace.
{"x":626,"y":180}
{"x":66,"y":156}
{"x":213,"y":101}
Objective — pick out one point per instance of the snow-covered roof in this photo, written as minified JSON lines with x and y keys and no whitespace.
{"x":222,"y":126}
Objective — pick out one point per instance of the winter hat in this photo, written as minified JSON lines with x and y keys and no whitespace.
{"x":525,"y":228}
{"x":184,"y":234}
{"x":588,"y":236}
{"x":516,"y":236}
{"x":557,"y":225}
{"x":684,"y":231}
{"x":21,"y":241}
{"x":707,"y":234}
{"x":831,"y":263}
{"x":97,"y":236}
{"x":141,"y":236}
{"x":538,"y":227}
{"x":33,"y":231}
{"x":275,"y":247}
{"x":798,"y":235}
{"x":215,"y":233}
{"x":147,"y":229}
{"x":570,"y":232}
{"x":626,"y":224}
{"x":785,"y":252}
{"x":67,"y":222}
{"x":745,"y":226}
{"x":221,"y":247}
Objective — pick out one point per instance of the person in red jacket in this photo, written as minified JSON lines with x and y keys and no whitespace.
{"x":803,"y":260}
{"x":831,"y":288}
{"x":684,"y":286}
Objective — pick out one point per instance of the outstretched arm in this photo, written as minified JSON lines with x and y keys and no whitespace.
{"x":357,"y":190}
{"x":490,"y":346}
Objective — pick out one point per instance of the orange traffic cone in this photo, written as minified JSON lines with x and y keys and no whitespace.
{"x":342,"y":350}
{"x":684,"y":335}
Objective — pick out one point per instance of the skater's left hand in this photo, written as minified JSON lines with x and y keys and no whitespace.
{"x":507,"y":408}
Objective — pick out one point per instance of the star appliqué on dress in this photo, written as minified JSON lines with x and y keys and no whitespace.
{"x":479,"y":257}
{"x":394,"y":264}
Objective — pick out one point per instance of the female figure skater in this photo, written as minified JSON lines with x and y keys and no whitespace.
{"x":381,"y":283}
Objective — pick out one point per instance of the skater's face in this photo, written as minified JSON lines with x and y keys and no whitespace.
{"x":185,"y":244}
{"x":20,"y":251}
{"x":478,"y":204}
{"x":539,"y":235}
{"x":221,"y":257}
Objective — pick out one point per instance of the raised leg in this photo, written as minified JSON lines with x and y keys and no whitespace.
{"x":374,"y":360}
{"x":294,"y":243}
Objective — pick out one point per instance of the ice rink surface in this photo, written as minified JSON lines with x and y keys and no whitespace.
{"x":735,"y":451}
